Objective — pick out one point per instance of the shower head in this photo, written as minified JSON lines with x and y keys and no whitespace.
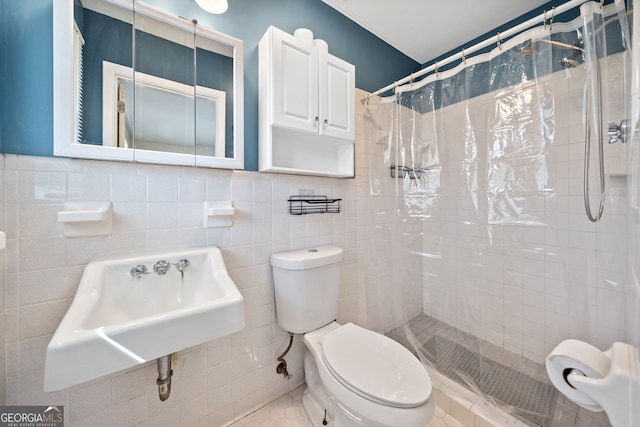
{"x":569,"y":62}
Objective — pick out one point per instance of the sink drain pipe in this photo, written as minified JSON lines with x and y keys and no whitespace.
{"x":164,"y":377}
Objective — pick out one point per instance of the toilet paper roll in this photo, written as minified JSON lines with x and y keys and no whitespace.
{"x":583,"y":357}
{"x":304,"y":35}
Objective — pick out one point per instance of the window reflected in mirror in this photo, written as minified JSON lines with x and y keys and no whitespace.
{"x":159,"y":115}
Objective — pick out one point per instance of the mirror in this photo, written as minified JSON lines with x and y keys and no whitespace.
{"x":176,"y":98}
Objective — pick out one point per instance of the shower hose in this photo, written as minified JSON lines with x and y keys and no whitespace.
{"x":587,"y":150}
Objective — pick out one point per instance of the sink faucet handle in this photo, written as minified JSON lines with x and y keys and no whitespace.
{"x":161,"y":267}
{"x":182,"y":265}
{"x":137,"y":271}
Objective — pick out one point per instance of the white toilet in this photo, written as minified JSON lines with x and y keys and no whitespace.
{"x":355,"y":377}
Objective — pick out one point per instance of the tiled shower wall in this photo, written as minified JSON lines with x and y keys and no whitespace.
{"x":389,"y":240}
{"x":157,"y":208}
{"x":526,"y":287}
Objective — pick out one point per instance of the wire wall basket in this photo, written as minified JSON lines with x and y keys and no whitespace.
{"x":303,"y":205}
{"x":404,"y":172}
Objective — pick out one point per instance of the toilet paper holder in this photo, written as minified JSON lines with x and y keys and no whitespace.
{"x":598,"y":380}
{"x":571,"y":371}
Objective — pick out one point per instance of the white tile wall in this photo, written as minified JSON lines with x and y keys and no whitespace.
{"x":389,"y":241}
{"x":155,"y":208}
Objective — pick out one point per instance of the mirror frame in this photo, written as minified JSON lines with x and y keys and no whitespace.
{"x":63,"y":98}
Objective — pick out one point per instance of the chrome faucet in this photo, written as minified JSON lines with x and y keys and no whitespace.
{"x":619,"y":132}
{"x":138,"y":271}
{"x":182,"y":265}
{"x":161,"y":267}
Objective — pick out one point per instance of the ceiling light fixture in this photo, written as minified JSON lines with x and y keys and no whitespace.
{"x":213,"y":6}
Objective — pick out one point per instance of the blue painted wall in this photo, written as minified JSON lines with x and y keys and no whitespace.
{"x":26,"y":52}
{"x":26,"y":80}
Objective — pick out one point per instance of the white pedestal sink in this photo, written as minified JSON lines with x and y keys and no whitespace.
{"x":117,"y":321}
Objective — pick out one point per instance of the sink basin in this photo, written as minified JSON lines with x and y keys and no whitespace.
{"x":117,"y":321}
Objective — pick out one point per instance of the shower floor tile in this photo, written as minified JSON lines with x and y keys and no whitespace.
{"x":516,"y":384}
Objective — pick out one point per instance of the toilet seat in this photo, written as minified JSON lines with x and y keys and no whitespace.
{"x":375,"y":367}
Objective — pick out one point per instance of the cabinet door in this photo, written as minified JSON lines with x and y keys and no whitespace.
{"x":295,"y":81}
{"x":337,"y":97}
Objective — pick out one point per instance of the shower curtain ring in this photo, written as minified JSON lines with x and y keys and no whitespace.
{"x":437,"y":72}
{"x":544,"y":19}
{"x":601,"y":4}
{"x":499,"y":43}
{"x":553,"y":15}
{"x":464,"y":58}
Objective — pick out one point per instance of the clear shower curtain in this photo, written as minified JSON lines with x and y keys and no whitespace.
{"x":481,"y":255}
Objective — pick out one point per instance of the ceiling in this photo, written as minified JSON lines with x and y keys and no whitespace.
{"x":426,"y":29}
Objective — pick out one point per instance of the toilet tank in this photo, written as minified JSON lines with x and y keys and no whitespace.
{"x":307,"y":287}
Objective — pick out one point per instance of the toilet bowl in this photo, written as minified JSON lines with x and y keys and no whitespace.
{"x":355,"y":377}
{"x":362,"y":378}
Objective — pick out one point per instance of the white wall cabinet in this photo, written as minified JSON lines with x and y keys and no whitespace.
{"x":306,"y":107}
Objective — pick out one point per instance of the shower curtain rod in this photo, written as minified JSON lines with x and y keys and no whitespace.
{"x":494,"y":39}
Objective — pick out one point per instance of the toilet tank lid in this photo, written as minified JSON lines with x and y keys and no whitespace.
{"x":307,"y":258}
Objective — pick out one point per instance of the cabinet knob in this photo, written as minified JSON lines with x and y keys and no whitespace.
{"x":326,"y":122}
{"x":317,"y":119}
